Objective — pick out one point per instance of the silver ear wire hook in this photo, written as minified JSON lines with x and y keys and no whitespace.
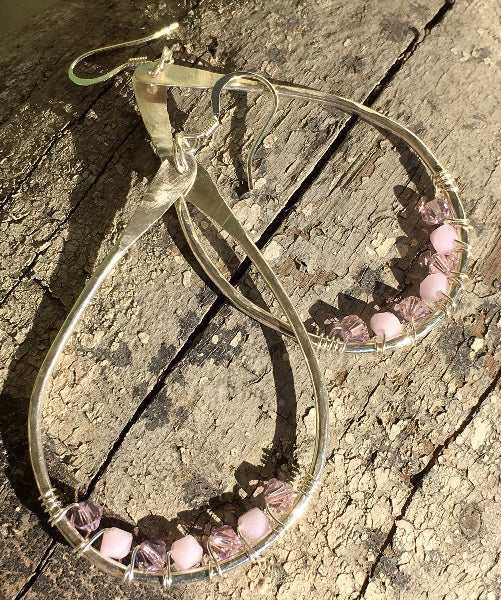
{"x":132,"y":62}
{"x":216,"y":109}
{"x":190,"y":142}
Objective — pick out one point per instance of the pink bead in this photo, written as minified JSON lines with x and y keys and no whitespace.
{"x":254,"y":525}
{"x":386,"y":324}
{"x":279,"y":494}
{"x":116,"y":543}
{"x":431,"y":287}
{"x":413,"y":307}
{"x":186,"y":553}
{"x":443,"y":238}
{"x":435,"y":211}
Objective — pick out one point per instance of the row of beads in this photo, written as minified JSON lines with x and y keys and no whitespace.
{"x":152,"y":556}
{"x":434,"y":288}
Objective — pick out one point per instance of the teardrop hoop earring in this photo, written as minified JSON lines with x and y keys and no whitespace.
{"x":439,"y":291}
{"x":284,"y":502}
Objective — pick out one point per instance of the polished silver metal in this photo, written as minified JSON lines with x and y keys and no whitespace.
{"x":172,"y":75}
{"x":465,"y":223}
{"x":215,"y":559}
{"x":248,"y":548}
{"x":60,"y":512}
{"x":450,"y":303}
{"x":165,"y":59}
{"x":87,"y":542}
{"x":277,"y":523}
{"x":224,"y":83}
{"x":166,"y":579}
{"x":129,"y":571}
{"x":191,"y":142}
{"x":132,"y":62}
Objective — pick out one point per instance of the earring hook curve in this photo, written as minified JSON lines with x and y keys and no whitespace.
{"x":216,"y":109}
{"x":132,"y":62}
{"x":191,"y":142}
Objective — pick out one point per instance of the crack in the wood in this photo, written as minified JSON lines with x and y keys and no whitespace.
{"x":48,"y":291}
{"x":59,"y":135}
{"x":26,"y":271}
{"x":489,"y":177}
{"x":38,"y":569}
{"x":417,"y":479}
{"x":45,"y":242}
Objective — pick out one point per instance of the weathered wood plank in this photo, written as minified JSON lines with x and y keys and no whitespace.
{"x":388,"y":416}
{"x":286,"y":577}
{"x":447,"y":543}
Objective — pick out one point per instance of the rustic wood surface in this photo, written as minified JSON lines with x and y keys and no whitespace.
{"x":169,"y":401}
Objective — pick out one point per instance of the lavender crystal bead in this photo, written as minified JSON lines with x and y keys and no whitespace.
{"x":86,"y":516}
{"x":413,"y":308}
{"x":435,"y":211}
{"x":151,"y":556}
{"x":350,"y":329}
{"x":444,"y":262}
{"x":279,"y":494}
{"x":224,"y":542}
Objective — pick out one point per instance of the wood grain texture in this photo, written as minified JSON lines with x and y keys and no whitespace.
{"x":236,"y":404}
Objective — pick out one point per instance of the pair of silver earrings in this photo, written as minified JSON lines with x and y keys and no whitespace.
{"x":181,"y":180}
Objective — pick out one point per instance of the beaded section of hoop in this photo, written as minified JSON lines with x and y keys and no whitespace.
{"x":439,"y":290}
{"x":223,"y":544}
{"x":450,"y":237}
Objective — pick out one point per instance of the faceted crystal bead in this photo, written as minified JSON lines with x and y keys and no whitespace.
{"x":350,"y":329}
{"x":224,"y":542}
{"x":413,"y":308}
{"x":445,"y":262}
{"x":435,"y":211}
{"x":85,"y":517}
{"x":151,"y":556}
{"x":279,"y":494}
